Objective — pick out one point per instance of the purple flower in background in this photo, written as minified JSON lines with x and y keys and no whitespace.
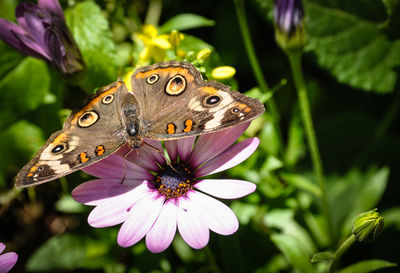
{"x":289,"y":24}
{"x":7,"y":260}
{"x":288,"y":14}
{"x":42,"y":33}
{"x":152,"y":198}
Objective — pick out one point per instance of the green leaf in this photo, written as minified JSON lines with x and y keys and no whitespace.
{"x":283,"y":219}
{"x":392,"y":217}
{"x":301,"y":182}
{"x":68,"y":252}
{"x":294,"y":252}
{"x":7,"y":9}
{"x":269,"y":139}
{"x":356,"y":51}
{"x":295,"y":148}
{"x":94,"y":38}
{"x":63,"y":252}
{"x":367,"y":266}
{"x":185,"y":21}
{"x":322,"y":256}
{"x":23,"y":89}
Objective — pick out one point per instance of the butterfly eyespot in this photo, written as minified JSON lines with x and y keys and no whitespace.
{"x":59,"y":148}
{"x":212,"y":100}
{"x":152,"y":79}
{"x":176,"y":85}
{"x":39,"y":169}
{"x":108,"y":99}
{"x":88,"y":119}
{"x":235,"y":110}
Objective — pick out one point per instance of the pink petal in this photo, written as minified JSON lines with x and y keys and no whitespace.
{"x":219,"y":217}
{"x":172,"y":149}
{"x":210,"y":145}
{"x":118,"y":209}
{"x":95,"y":192}
{"x":141,"y":219}
{"x":113,"y":167}
{"x":7,"y":261}
{"x":229,"y":158}
{"x":2,"y":247}
{"x":148,"y":156}
{"x":225,"y":188}
{"x":191,"y":225}
{"x":163,"y":231}
{"x":185,"y":146}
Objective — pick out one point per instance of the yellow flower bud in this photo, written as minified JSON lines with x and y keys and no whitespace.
{"x":203,"y":54}
{"x":223,"y":72}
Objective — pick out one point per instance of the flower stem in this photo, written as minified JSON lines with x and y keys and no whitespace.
{"x":262,"y":83}
{"x":153,"y":12}
{"x":213,"y":265}
{"x":342,"y":249}
{"x":295,"y":64}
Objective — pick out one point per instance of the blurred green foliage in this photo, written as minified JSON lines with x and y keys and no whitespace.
{"x":351,"y":68}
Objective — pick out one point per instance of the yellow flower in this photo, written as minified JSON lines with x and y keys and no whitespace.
{"x":155,"y":46}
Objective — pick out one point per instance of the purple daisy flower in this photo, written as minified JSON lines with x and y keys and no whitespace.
{"x":155,"y":198}
{"x":43,"y":33}
{"x":7,"y":260}
{"x":288,"y":15}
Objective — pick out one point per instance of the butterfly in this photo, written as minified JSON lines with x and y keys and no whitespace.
{"x":168,"y":100}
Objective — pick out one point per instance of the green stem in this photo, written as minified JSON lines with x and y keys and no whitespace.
{"x":342,"y":249}
{"x":153,"y":12}
{"x":262,"y":83}
{"x":295,"y":64}
{"x":213,"y":265}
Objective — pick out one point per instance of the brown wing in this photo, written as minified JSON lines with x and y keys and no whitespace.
{"x":88,"y":135}
{"x":176,"y":102}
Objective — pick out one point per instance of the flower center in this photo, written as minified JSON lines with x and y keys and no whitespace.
{"x":174,"y":181}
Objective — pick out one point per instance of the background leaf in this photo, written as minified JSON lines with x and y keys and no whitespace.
{"x":185,"y":21}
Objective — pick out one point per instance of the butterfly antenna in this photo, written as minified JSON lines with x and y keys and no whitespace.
{"x":162,"y":153}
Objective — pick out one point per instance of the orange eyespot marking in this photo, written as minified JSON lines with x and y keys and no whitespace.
{"x":61,"y":138}
{"x":247,"y":109}
{"x":88,"y":119}
{"x":100,"y":150}
{"x":96,"y":100}
{"x":171,"y":128}
{"x":33,"y":169}
{"x":83,"y":157}
{"x":209,"y":89}
{"x":29,"y":174}
{"x":176,"y":85}
{"x":188,"y":125}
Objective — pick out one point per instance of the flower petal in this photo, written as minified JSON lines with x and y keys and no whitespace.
{"x":95,"y":192}
{"x":52,"y":6}
{"x":113,"y":167}
{"x":2,"y":247}
{"x":229,"y":158}
{"x":7,"y":261}
{"x":210,"y":145}
{"x":148,"y":156}
{"x":219,"y":217}
{"x":191,"y":225}
{"x":16,"y":37}
{"x":185,"y":146}
{"x":225,"y":188}
{"x":172,"y":149}
{"x":117,"y":210}
{"x":141,"y":219}
{"x":163,"y":231}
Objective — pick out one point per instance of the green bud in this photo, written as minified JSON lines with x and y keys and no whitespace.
{"x":367,"y":226}
{"x":203,"y":54}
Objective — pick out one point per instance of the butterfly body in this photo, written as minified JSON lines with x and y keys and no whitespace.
{"x":167,"y":101}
